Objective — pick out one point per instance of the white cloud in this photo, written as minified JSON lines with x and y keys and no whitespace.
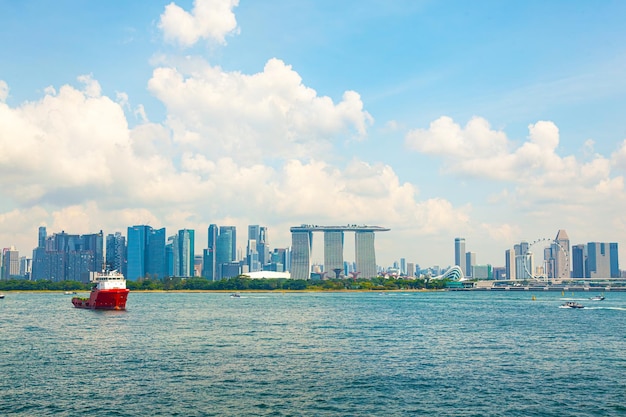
{"x":270,"y":114}
{"x":209,"y":19}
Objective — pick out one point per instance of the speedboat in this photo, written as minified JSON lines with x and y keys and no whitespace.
{"x":1,"y":295}
{"x":235,"y":295}
{"x":597,"y":298}
{"x":571,"y":304}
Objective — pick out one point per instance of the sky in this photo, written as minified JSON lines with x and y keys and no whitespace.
{"x":495,"y":121}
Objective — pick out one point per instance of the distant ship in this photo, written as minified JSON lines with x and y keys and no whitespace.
{"x":108,"y":293}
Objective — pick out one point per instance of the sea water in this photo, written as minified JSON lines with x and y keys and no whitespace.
{"x":315,"y":354}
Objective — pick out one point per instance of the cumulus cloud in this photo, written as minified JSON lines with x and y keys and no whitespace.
{"x":208,"y":20}
{"x":270,"y":114}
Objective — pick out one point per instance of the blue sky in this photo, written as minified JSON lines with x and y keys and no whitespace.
{"x":495,"y":121}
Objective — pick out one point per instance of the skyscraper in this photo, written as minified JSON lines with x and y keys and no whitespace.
{"x":209,"y":254}
{"x":146,"y":253}
{"x":560,"y":251}
{"x":365,"y":254}
{"x":301,"y":245}
{"x":602,"y":260}
{"x":459,"y":254}
{"x":116,"y":252}
{"x":186,"y":256}
{"x":509,"y":262}
{"x":470,"y":261}
{"x":578,"y":261}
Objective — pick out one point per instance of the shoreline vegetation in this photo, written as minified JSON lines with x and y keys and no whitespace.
{"x":240,"y":283}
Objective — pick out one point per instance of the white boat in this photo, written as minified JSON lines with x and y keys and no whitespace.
{"x":597,"y":298}
{"x":571,"y":304}
{"x":1,"y":295}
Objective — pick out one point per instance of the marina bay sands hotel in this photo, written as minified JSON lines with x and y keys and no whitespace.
{"x":302,"y":246}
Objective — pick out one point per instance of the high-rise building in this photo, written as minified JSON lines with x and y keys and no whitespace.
{"x":301,"y":247}
{"x":146,"y":253}
{"x":333,"y":251}
{"x":365,"y":253}
{"x":459,"y":254}
{"x":67,"y":257}
{"x":509,"y":262}
{"x":578,"y":261}
{"x":560,"y":252}
{"x":10,"y":263}
{"x":470,"y":261}
{"x":209,"y":254}
{"x":602,"y":260}
{"x":231,"y":231}
{"x":186,"y":255}
{"x":116,"y":253}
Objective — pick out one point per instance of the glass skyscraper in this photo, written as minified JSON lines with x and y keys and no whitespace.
{"x":146,"y":253}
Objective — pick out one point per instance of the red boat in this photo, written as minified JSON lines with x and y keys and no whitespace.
{"x":108,"y":293}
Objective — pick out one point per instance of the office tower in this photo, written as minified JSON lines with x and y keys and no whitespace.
{"x":602,"y":260}
{"x":25,"y":267}
{"x":561,"y":255}
{"x":470,"y":261}
{"x":459,"y":254}
{"x":10,"y":263}
{"x":252,"y":256}
{"x":410,"y":269}
{"x":116,"y":253}
{"x":365,"y":254}
{"x":333,"y":250}
{"x":578,"y":261}
{"x":146,"y":253}
{"x":171,"y":256}
{"x":403,"y":266}
{"x":41,"y":241}
{"x":186,"y":255}
{"x":614,"y":260}
{"x":232,"y":232}
{"x":209,"y":254}
{"x":509,"y":262}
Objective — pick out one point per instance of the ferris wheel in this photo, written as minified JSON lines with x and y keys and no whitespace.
{"x":553,"y":263}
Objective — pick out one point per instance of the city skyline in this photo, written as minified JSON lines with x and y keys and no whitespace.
{"x":498,"y":122}
{"x":148,"y":255}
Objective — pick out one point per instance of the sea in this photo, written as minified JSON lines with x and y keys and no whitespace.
{"x":466,"y":353}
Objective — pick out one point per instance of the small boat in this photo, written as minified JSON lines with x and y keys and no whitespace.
{"x":69,"y":292}
{"x":235,"y":295}
{"x":597,"y":298}
{"x":1,"y":296}
{"x":571,"y":304}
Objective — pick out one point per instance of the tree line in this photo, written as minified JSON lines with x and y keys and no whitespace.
{"x":240,"y":283}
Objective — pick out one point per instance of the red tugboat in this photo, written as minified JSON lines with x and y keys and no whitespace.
{"x":108,"y":293}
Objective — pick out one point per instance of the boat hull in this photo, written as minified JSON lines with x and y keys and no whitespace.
{"x":113,"y":299}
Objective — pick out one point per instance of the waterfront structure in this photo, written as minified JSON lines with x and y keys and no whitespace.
{"x":459,"y":254}
{"x":146,"y":253}
{"x":302,"y":245}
